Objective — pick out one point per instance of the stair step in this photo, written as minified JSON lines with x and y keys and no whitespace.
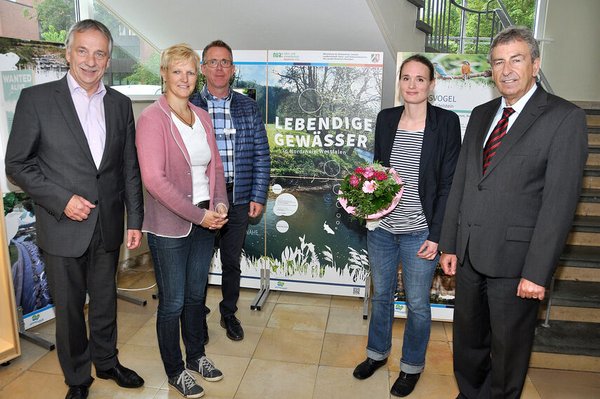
{"x":593,"y":136}
{"x":593,"y":155}
{"x":585,"y":230}
{"x":577,"y":273}
{"x":558,"y":361}
{"x":568,"y":338}
{"x":583,"y":238}
{"x":591,"y":170}
{"x":593,"y":120}
{"x":591,"y":177}
{"x":580,"y":256}
{"x":569,"y":313}
{"x":580,"y":294}
{"x":588,"y":208}
{"x":589,"y":224}
{"x":590,"y":195}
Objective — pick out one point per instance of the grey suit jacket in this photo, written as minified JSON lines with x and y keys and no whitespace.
{"x":49,"y":158}
{"x":515,"y":219}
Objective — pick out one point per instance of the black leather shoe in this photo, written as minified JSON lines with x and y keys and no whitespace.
{"x":123,"y":376}
{"x":367,"y":368}
{"x":405,"y":384}
{"x":78,"y":392}
{"x":235,"y":332}
{"x":206,"y":338}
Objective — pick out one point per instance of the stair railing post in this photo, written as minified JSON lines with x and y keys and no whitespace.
{"x":546,"y":322}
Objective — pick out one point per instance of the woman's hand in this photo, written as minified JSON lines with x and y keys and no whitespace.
{"x":213,"y":220}
{"x":428,"y":250}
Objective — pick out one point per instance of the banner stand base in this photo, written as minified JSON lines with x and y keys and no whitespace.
{"x":263,"y":293}
{"x":132,"y":299}
{"x":32,"y":337}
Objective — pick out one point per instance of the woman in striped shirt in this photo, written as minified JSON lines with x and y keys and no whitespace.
{"x":422,"y":143}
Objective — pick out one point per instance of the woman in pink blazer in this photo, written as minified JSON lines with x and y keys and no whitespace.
{"x":186,"y":203}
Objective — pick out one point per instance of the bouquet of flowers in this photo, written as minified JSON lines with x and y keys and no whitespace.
{"x":370,"y":192}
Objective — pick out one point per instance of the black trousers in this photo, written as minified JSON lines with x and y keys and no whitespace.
{"x":493,"y":334}
{"x":69,"y":280}
{"x":230,"y":240}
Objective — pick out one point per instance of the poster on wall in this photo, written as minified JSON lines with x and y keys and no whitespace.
{"x":320,"y":110}
{"x":463,"y":81}
{"x":24,"y":63}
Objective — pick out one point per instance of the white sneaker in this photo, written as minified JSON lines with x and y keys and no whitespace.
{"x":186,"y":385}
{"x":206,"y":368}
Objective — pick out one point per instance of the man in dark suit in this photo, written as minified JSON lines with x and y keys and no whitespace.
{"x":72,"y":149}
{"x":511,"y":205}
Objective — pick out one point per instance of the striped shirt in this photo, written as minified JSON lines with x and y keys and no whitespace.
{"x":408,"y":216}
{"x":219,"y":110}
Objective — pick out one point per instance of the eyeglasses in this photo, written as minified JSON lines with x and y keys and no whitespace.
{"x":214,"y":63}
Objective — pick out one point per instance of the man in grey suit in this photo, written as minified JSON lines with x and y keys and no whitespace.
{"x":513,"y":197}
{"x":72,"y":149}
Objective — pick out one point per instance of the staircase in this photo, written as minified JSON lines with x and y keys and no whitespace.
{"x":571,"y":341}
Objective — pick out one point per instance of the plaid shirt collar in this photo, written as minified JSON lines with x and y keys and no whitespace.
{"x":209,"y":97}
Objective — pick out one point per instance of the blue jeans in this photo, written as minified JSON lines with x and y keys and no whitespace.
{"x":181,"y":269}
{"x":386,"y":251}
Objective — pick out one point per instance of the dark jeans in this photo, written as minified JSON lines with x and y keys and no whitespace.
{"x":230,"y":240}
{"x":181,"y":268}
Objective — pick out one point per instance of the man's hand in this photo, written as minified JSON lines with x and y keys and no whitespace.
{"x":428,"y":250}
{"x":448,"y":263}
{"x":78,"y":208}
{"x":221,"y":209}
{"x":134,"y":238}
{"x":530,"y":290}
{"x":255,"y":209}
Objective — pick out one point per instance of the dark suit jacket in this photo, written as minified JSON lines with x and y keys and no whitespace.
{"x":49,"y":158}
{"x":516,"y":218}
{"x":439,"y":153}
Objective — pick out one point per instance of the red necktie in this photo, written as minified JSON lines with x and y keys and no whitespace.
{"x":496,"y":138}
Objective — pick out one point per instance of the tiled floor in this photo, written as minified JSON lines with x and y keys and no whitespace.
{"x":299,"y":346}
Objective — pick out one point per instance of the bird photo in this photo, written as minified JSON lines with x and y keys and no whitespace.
{"x":465,"y":69}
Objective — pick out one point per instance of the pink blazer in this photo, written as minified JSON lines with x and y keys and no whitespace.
{"x":166,"y":172}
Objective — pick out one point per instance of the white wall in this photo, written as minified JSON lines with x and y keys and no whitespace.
{"x":569,"y":44}
{"x":281,"y":25}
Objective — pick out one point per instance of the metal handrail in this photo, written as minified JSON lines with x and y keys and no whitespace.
{"x":436,"y":13}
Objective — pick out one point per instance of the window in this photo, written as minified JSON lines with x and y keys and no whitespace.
{"x":46,"y":20}
{"x":135,"y":64}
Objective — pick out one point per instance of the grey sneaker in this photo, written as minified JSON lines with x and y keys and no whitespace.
{"x":206,"y":368}
{"x":186,"y":385}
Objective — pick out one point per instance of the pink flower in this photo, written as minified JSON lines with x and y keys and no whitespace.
{"x":354,"y":180}
{"x":360,"y":170}
{"x":369,"y":172}
{"x":369,"y":186}
{"x":380,"y":175}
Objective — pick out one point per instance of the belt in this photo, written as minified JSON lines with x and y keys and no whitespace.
{"x":229,"y":186}
{"x":203,"y":204}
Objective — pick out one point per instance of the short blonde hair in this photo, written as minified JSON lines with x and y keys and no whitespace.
{"x":177,"y":53}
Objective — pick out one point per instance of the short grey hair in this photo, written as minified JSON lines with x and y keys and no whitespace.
{"x":515,"y":33}
{"x":88,"y":24}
